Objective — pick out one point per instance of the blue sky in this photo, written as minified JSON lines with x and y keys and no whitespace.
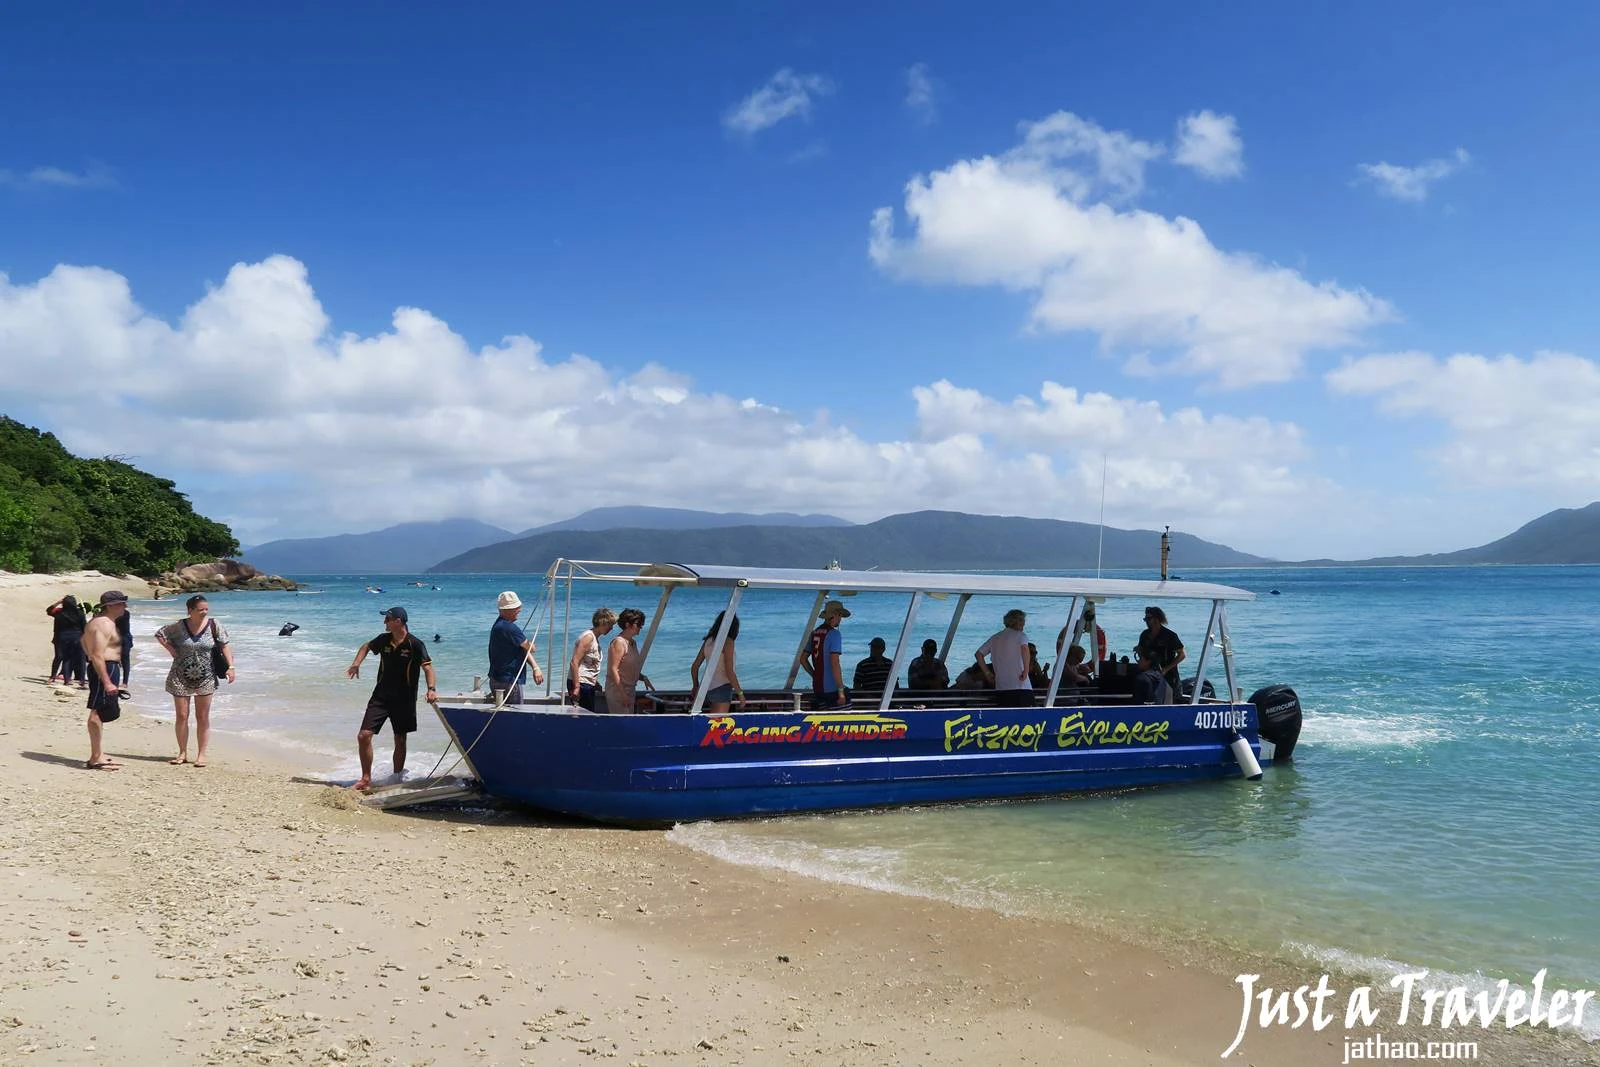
{"x":1311,"y":281}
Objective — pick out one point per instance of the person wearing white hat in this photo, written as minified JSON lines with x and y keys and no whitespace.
{"x":509,"y":650}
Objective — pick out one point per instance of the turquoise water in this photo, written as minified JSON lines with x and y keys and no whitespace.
{"x":1441,"y":812}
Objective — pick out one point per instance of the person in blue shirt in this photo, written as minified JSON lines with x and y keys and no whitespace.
{"x":821,"y":659}
{"x":509,"y":650}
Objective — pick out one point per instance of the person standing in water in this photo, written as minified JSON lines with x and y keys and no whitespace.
{"x":402,"y":658}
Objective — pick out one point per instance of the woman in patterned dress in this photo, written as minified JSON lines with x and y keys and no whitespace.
{"x":189,"y":642}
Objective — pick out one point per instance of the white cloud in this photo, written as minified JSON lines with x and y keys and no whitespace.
{"x":786,"y":95}
{"x":57,"y":178}
{"x":1196,"y":464}
{"x":1514,"y":423}
{"x":1411,"y":183}
{"x":285,"y":427}
{"x":1209,"y":144}
{"x":920,"y":94}
{"x":1063,"y":138}
{"x":1044,"y":218}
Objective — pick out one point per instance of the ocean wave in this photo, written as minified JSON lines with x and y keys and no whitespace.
{"x":1372,"y":730}
{"x":867,"y":866}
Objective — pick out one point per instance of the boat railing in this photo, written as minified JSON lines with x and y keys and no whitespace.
{"x":790,"y":701}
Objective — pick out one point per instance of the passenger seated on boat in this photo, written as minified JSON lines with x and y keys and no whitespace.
{"x":872,"y":673}
{"x":928,"y":671}
{"x":1038,"y":675}
{"x":972,"y":679}
{"x":1075,"y":673}
{"x":624,"y":663}
{"x":1099,"y":636}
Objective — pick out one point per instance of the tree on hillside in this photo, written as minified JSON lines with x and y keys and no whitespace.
{"x":59,"y":512}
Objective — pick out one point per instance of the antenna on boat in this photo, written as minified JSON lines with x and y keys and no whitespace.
{"x":1166,"y":550}
{"x":1099,"y":551}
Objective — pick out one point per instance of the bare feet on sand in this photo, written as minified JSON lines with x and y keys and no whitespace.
{"x":102,"y":765}
{"x":200,"y":761}
{"x":178,"y":761}
{"x":363,"y":785}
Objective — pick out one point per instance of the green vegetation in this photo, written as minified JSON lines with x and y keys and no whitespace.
{"x":59,"y":512}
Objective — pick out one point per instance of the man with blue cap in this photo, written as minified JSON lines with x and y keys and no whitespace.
{"x":402,"y":658}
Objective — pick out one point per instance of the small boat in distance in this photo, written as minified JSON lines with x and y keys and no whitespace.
{"x":833,"y":565}
{"x":374,"y":588}
{"x":768,"y":754}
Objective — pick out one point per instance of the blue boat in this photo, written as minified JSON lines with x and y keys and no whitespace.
{"x":770,"y":755}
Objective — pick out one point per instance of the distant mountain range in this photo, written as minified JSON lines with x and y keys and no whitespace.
{"x":413,"y":547}
{"x":1563,"y":536}
{"x":409,"y":548}
{"x":923,"y":540}
{"x":642,"y":518}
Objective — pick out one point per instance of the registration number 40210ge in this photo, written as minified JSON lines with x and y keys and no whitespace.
{"x":1221,"y":720}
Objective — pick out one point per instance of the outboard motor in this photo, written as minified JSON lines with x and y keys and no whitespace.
{"x":1278,"y":711}
{"x":1207,"y":691}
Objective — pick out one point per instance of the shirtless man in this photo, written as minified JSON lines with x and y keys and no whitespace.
{"x":102,"y":645}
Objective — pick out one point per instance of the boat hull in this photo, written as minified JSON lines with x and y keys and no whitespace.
{"x":655,"y":769}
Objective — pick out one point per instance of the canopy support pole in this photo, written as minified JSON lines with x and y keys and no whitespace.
{"x":805,"y":636}
{"x":900,"y":651}
{"x":716,"y":650}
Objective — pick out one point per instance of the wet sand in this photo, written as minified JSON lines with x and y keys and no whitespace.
{"x":232,"y":915}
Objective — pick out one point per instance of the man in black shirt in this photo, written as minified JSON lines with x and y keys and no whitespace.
{"x":1159,"y":649}
{"x":928,"y":671}
{"x":402,"y":657}
{"x":872,"y":673}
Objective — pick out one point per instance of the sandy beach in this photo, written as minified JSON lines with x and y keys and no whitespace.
{"x":231,"y":915}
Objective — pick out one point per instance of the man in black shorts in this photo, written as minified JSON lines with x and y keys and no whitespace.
{"x":102,"y":644}
{"x":402,"y":658}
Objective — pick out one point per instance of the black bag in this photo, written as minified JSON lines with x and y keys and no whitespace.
{"x":219,"y":658}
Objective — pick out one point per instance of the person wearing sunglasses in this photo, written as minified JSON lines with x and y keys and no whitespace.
{"x":1159,"y":649}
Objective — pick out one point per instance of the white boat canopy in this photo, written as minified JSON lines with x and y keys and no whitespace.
{"x":717,"y":576}
{"x":1083,"y":594}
